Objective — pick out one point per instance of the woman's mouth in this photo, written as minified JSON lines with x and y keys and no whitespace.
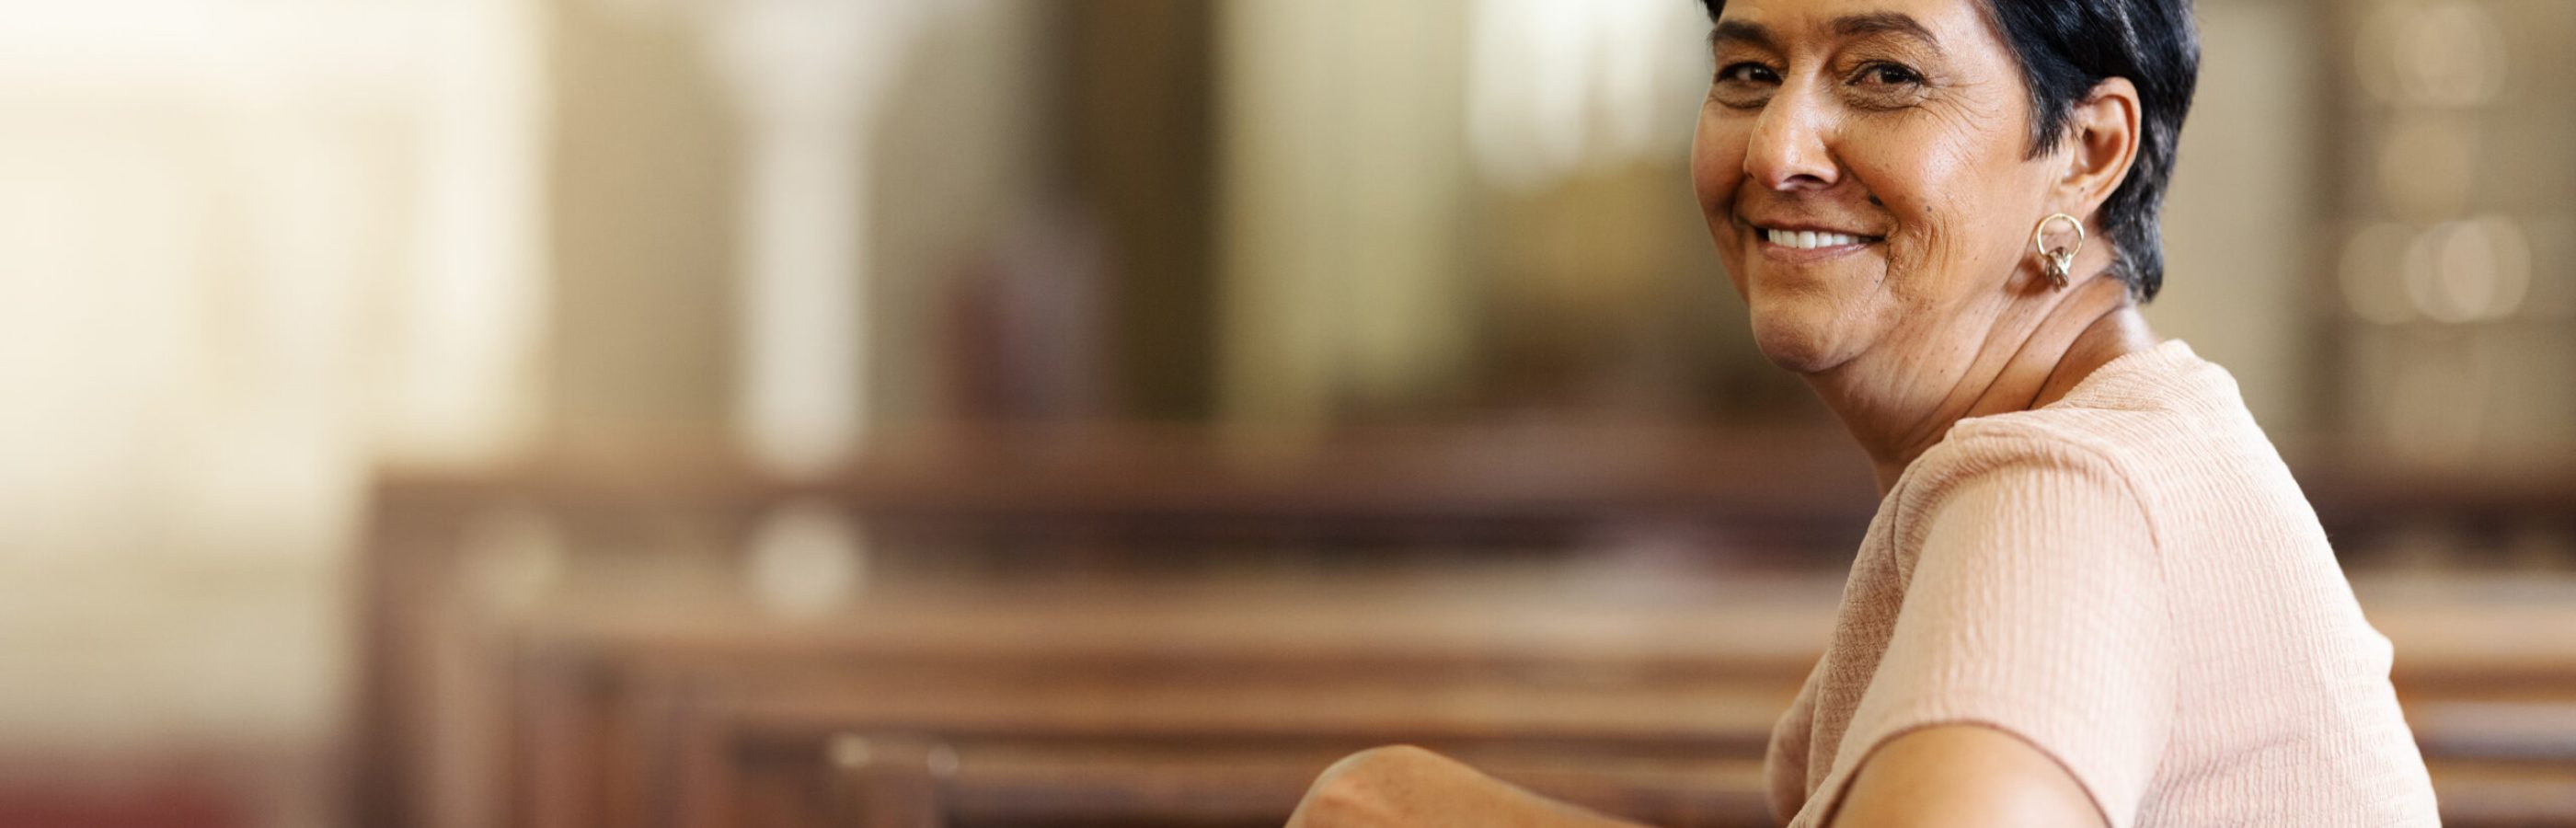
{"x":1814,"y":240}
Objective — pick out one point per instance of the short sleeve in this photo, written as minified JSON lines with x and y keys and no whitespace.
{"x":1784,"y":764}
{"x":2036,"y":605}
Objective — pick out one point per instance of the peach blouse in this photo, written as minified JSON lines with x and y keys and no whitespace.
{"x":2130,"y":580}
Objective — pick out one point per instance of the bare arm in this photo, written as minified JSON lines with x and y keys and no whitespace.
{"x":1947,"y":775}
{"x":1407,"y":786}
{"x":1963,"y":775}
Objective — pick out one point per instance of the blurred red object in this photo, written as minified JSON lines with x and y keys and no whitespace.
{"x":173,"y":805}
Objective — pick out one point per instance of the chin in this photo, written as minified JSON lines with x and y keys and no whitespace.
{"x":1801,"y":338}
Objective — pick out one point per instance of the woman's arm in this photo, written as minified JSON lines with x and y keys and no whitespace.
{"x":1963,"y":775}
{"x":1937,"y":776}
{"x":1407,"y":786}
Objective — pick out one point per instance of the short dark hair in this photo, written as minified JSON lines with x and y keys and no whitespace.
{"x":2065,"y":48}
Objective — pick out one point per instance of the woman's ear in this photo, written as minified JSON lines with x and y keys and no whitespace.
{"x":2102,"y":136}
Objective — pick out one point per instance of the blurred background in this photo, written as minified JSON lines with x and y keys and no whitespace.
{"x":1055,"y":412}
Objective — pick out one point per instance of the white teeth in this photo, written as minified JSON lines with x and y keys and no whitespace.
{"x":1807,"y":239}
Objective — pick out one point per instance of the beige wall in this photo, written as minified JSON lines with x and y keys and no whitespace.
{"x":1342,"y":156}
{"x":2246,"y":223}
{"x":257,"y":251}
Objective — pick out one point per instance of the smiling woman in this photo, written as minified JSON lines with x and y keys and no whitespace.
{"x":1951,"y":131}
{"x":2092,"y":593}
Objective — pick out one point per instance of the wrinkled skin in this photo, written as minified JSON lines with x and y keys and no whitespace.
{"x":1904,"y":124}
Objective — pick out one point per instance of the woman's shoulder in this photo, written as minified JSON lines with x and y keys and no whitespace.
{"x":2024,"y":461}
{"x":2160,"y":432}
{"x":2162,"y":397}
{"x":2132,"y":422}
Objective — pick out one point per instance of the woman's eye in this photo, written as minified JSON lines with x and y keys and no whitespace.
{"x":1747,"y":73}
{"x":1887,"y":74}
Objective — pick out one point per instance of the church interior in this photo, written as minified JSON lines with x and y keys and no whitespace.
{"x":875,"y":413}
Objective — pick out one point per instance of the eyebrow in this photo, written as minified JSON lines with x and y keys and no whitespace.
{"x":1730,"y":32}
{"x":1856,"y":26}
{"x":1848,"y":27}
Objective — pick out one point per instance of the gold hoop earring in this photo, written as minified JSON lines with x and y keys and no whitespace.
{"x":2059,"y":263}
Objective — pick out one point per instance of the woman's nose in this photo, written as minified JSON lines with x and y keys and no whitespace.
{"x":1788,"y":151}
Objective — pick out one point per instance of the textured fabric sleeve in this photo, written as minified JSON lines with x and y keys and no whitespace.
{"x":2036,"y":606}
{"x":1784,"y":763}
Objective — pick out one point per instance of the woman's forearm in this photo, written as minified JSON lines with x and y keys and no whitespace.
{"x":1408,"y":786}
{"x":1963,"y":775}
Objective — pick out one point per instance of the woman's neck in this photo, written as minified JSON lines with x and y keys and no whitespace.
{"x":2033,"y":355}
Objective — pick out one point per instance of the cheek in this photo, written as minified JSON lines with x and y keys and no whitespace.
{"x":1717,"y":168}
{"x":1717,"y":171}
{"x":1947,"y":199}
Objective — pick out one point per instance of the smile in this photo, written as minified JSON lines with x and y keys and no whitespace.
{"x":1813,"y":240}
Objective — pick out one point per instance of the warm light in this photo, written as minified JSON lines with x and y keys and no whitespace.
{"x":2467,"y":271}
{"x":253,"y":248}
{"x":2372,"y":286}
{"x":805,"y":560}
{"x":1555,"y":88}
{"x":2444,"y":53}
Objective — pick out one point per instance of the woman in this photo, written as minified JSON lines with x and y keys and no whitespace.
{"x":2092,"y":594}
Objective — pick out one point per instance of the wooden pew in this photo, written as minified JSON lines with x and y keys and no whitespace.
{"x":993,"y":712}
{"x":640,"y":685}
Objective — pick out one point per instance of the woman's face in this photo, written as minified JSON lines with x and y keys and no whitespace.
{"x":1864,"y":168}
